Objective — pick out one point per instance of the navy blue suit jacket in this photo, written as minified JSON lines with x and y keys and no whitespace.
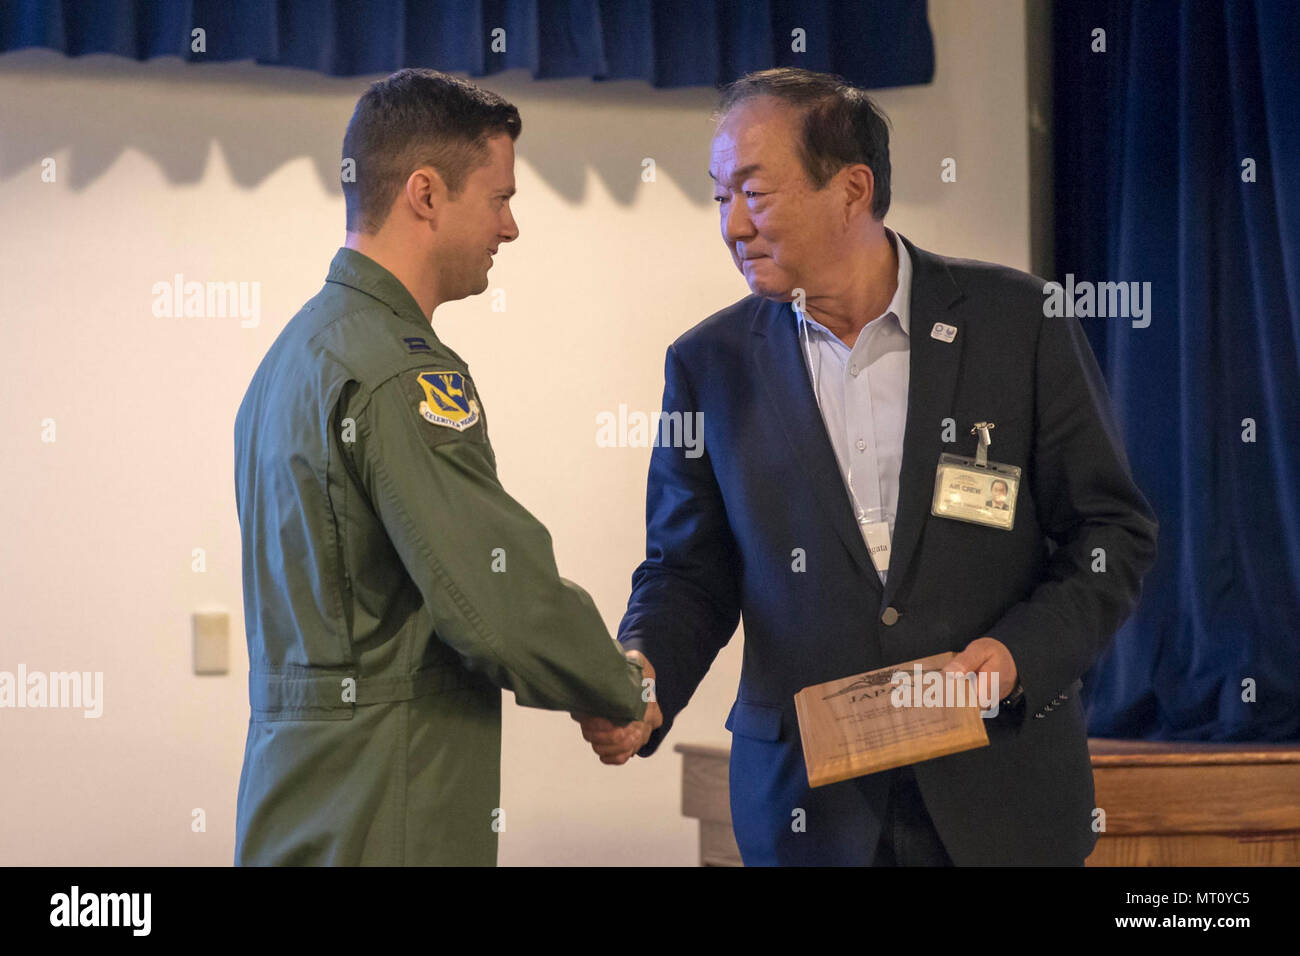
{"x":722,"y":531}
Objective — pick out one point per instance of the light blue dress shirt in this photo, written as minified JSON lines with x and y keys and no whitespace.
{"x":862,"y":393}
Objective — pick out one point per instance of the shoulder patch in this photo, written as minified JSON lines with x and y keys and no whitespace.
{"x":416,"y":344}
{"x":447,"y":401}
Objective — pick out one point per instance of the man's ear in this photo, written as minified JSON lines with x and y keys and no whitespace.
{"x":426,"y":194}
{"x":859,"y":189}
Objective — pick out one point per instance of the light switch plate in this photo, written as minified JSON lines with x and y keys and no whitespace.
{"x":211,"y":642}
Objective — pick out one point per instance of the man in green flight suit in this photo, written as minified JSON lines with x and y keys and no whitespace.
{"x":392,"y":587}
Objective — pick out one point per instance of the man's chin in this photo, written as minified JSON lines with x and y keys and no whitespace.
{"x":478,"y":287}
{"x":468,"y":291}
{"x":776,"y":293}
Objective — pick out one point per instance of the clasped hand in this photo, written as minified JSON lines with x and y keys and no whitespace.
{"x":616,"y":744}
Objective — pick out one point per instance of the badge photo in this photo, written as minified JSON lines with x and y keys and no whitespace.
{"x":965,"y":490}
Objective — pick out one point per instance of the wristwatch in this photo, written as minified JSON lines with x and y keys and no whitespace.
{"x":1014,"y":698}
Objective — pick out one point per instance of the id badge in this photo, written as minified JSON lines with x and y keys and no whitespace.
{"x":981,"y":493}
{"x":875,"y":532}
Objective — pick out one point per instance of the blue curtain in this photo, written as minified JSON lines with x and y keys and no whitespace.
{"x":1153,"y":141}
{"x":665,"y":42}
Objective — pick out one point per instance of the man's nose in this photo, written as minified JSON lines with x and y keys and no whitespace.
{"x":511,"y":231}
{"x":737,"y":225}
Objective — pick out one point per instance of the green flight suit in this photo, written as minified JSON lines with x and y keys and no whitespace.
{"x":392,"y":588}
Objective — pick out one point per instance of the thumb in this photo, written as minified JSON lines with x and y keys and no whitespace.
{"x":966,"y":662}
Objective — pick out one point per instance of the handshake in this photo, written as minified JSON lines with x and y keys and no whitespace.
{"x":615,"y":744}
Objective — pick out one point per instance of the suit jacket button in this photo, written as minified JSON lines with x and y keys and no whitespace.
{"x":890,"y":617}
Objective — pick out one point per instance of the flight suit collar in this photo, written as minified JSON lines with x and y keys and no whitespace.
{"x":358,"y":271}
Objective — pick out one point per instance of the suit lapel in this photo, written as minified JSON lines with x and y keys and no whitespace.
{"x":783,"y":376}
{"x":933,"y":368}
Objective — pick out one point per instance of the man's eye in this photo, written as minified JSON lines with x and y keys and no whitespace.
{"x":750,"y":194}
{"x":719,"y":198}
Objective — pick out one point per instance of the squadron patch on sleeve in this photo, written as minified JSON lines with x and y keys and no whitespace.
{"x":446,"y":400}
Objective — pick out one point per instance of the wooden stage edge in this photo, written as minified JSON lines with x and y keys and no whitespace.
{"x":1165,"y":803}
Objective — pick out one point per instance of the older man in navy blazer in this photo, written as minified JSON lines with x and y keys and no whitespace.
{"x":828,"y":397}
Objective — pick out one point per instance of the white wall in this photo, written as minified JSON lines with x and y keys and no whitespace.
{"x":228,"y":172}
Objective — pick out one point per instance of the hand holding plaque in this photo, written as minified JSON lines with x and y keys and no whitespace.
{"x":876,"y":721}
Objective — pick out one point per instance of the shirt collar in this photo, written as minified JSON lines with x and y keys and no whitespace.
{"x":360,"y":272}
{"x":901,"y":304}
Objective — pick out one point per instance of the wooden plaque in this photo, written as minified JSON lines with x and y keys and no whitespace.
{"x":852,"y":726}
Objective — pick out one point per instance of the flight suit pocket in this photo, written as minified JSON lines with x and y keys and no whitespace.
{"x":759,"y":721}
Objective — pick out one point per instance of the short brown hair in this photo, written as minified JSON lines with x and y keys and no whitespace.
{"x":842,"y":125}
{"x":411,"y":119}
